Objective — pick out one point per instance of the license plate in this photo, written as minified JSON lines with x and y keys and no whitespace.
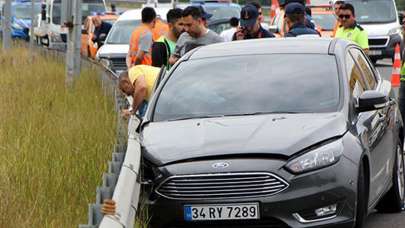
{"x":374,"y":52}
{"x":221,"y":212}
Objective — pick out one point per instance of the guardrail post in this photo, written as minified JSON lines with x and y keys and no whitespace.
{"x":7,"y":25}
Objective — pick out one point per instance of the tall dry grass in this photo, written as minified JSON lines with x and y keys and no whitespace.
{"x":54,"y":143}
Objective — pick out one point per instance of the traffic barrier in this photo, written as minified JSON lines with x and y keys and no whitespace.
{"x":396,"y":68}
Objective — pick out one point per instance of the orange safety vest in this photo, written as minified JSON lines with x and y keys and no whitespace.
{"x":134,"y":45}
{"x":160,"y":29}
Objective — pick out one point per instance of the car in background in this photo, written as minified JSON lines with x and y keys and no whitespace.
{"x":324,"y":18}
{"x":380,"y":19}
{"x":324,"y":150}
{"x":88,"y":47}
{"x":219,"y":9}
{"x":21,"y":18}
{"x":115,"y":49}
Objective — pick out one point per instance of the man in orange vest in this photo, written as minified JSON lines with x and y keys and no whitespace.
{"x":141,"y":40}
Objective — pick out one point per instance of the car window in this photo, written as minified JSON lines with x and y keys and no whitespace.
{"x":250,"y":84}
{"x":365,"y":68}
{"x":121,"y":31}
{"x":356,"y":82}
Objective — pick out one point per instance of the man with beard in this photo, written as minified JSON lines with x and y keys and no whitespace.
{"x":164,"y":47}
{"x":195,"y":35}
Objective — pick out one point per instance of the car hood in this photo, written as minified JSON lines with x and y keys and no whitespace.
{"x":113,"y":50}
{"x":259,"y":135}
{"x":379,"y":29}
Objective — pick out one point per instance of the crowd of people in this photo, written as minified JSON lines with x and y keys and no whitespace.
{"x":155,"y":44}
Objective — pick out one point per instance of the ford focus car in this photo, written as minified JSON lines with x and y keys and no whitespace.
{"x":272,"y":133}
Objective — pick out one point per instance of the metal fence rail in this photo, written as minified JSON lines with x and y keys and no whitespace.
{"x":120,"y":181}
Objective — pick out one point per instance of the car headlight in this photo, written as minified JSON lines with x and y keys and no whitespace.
{"x":394,"y":31}
{"x":321,"y":157}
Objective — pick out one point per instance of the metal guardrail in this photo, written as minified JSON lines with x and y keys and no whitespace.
{"x":120,"y":181}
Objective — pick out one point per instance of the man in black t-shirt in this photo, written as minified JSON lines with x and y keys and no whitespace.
{"x":250,"y":27}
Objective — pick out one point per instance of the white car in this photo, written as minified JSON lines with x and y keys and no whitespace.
{"x":114,"y":51}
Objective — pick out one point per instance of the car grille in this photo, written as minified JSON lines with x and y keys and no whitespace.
{"x":118,"y":64}
{"x":214,"y":186}
{"x":378,"y":42}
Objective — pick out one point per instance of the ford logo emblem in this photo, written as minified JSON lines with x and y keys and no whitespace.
{"x":220,"y":165}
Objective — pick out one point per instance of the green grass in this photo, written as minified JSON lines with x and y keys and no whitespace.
{"x":54,"y":143}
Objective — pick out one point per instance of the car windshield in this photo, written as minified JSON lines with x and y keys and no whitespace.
{"x":56,"y":13}
{"x":248,"y":85}
{"x":219,"y":26}
{"x":222,"y":12}
{"x":374,"y":11}
{"x":23,"y":11}
{"x":325,"y":21}
{"x":121,"y":32}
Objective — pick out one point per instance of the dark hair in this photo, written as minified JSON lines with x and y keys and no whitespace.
{"x":308,"y":11}
{"x":348,"y":6}
{"x":193,"y":11}
{"x":234,"y":21}
{"x":296,"y":18}
{"x":256,"y":4}
{"x":174,"y":15}
{"x":291,"y":1}
{"x":148,"y":15}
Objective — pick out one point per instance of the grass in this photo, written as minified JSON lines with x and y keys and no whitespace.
{"x":54,"y":143}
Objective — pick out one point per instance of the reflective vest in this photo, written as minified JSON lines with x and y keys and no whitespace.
{"x":160,"y":29}
{"x":141,"y":30}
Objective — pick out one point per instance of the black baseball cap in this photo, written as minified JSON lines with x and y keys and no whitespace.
{"x":204,"y":14}
{"x":294,"y":8}
{"x":248,"y":15}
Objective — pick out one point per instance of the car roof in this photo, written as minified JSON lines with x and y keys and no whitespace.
{"x":265,"y":46}
{"x":136,"y":14}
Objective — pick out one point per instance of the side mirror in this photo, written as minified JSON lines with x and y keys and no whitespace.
{"x":43,"y":12}
{"x":371,"y":100}
{"x":401,"y":17}
{"x":274,"y":29}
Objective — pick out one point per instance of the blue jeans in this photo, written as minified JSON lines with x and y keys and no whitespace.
{"x":142,"y":108}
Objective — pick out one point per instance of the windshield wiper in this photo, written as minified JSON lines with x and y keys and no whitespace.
{"x":195,"y":117}
{"x":260,"y":113}
{"x":226,"y":115}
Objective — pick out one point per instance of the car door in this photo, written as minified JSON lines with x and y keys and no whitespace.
{"x":379,"y":139}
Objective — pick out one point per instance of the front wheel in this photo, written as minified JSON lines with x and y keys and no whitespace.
{"x":394,"y":200}
{"x":362,"y":199}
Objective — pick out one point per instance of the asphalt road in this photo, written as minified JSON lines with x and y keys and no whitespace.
{"x":378,"y":220}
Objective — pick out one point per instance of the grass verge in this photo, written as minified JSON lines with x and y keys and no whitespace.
{"x":54,"y":143}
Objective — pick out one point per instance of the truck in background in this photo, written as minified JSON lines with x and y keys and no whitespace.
{"x":50,"y":32}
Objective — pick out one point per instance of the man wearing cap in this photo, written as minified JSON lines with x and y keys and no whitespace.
{"x":349,"y":29}
{"x":250,"y":27}
{"x":195,"y":35}
{"x":295,"y":19}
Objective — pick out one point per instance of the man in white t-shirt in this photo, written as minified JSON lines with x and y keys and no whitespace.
{"x":228,"y":34}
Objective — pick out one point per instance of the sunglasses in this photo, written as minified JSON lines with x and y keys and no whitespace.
{"x":347,"y":16}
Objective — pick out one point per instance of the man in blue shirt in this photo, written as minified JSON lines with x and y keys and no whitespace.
{"x":295,"y":19}
{"x":101,"y":30}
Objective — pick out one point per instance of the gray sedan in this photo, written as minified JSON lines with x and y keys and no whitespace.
{"x":272,"y":133}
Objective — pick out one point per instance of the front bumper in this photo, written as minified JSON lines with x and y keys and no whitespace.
{"x":306,"y":192}
{"x":384,"y":47}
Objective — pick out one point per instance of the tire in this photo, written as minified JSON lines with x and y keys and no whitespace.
{"x":394,"y":200}
{"x":362,"y":200}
